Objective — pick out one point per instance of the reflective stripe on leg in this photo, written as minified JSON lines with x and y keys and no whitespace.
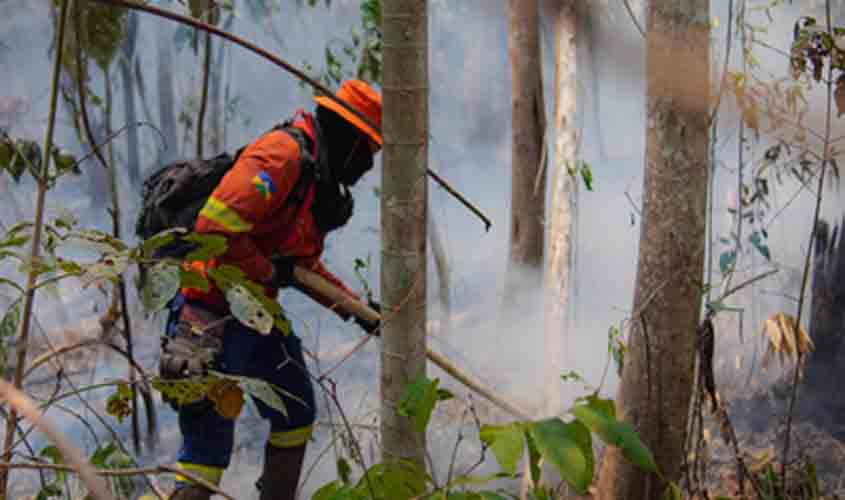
{"x":208,"y":472}
{"x":291,"y":438}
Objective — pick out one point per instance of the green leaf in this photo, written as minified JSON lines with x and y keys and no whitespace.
{"x":228,"y":276}
{"x":418,"y":400}
{"x":263,"y":391}
{"x":491,"y":495}
{"x":534,"y":457}
{"x":210,"y":246}
{"x":156,"y":241}
{"x":53,"y":453}
{"x":161,"y":286}
{"x":102,"y":454}
{"x":587,"y":175}
{"x":727,"y":261}
{"x":190,"y":278}
{"x":568,"y":447}
{"x":604,"y":406}
{"x":757,"y":240}
{"x":344,"y":470}
{"x":572,"y":376}
{"x":335,"y":491}
{"x":506,"y":442}
{"x":672,"y":492}
{"x":10,"y":322}
{"x":249,"y":311}
{"x":616,"y":433}
{"x":394,"y":480}
{"x":50,"y":491}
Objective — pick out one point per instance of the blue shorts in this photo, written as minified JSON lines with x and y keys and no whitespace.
{"x":208,"y":437}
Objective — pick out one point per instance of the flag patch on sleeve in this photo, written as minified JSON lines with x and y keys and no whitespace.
{"x":264,"y":184}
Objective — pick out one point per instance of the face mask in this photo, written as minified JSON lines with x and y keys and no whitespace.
{"x":360,"y":161}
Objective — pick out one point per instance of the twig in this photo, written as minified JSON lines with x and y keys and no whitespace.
{"x":634,"y":18}
{"x":206,"y":69}
{"x":290,"y":69}
{"x":804,"y":278}
{"x":35,"y":252}
{"x":78,"y":463}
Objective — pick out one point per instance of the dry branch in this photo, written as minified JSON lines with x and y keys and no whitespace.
{"x":315,"y":282}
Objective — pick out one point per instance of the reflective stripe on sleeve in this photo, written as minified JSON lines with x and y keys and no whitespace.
{"x":217,"y":211}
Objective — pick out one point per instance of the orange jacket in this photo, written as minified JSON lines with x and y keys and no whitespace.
{"x":248,"y":207}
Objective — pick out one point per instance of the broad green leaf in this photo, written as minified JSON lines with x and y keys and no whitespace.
{"x":228,"y":276}
{"x":568,"y":447}
{"x":506,"y":442}
{"x":162,"y":285}
{"x":534,"y":457}
{"x":334,"y":491}
{"x":210,"y":246}
{"x":418,"y":400}
{"x":51,"y":491}
{"x":249,"y":311}
{"x":471,"y":480}
{"x":156,"y":241}
{"x":108,"y":268}
{"x":491,"y":495}
{"x":263,"y":391}
{"x":394,"y":480}
{"x":616,"y":433}
{"x":99,"y":238}
{"x":344,"y":470}
{"x":193,"y":279}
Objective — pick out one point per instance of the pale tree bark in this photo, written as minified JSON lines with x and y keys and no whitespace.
{"x":126,"y":61}
{"x":403,"y":219}
{"x":166,"y":98}
{"x":528,"y":185}
{"x":657,"y":377}
{"x":563,"y":198}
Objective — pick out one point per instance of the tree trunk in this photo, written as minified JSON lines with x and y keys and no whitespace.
{"x":126,"y":61}
{"x":560,"y":248}
{"x":657,"y":377}
{"x":403,"y":219}
{"x":528,"y":185}
{"x":166,"y":99}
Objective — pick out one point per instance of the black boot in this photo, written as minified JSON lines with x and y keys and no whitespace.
{"x":281,"y":472}
{"x":190,"y":492}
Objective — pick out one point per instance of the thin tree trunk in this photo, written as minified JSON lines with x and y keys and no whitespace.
{"x":528,"y":124}
{"x":166,"y":99}
{"x":133,"y":166}
{"x":441,"y":264}
{"x":560,"y":241}
{"x":403,"y":216}
{"x":29,"y":296}
{"x":206,"y":73}
{"x":657,"y":378}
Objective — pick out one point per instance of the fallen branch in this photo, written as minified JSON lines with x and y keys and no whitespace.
{"x":131,"y":471}
{"x":21,"y":403}
{"x":316,"y":283}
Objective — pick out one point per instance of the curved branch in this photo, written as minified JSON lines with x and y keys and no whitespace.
{"x":78,"y":463}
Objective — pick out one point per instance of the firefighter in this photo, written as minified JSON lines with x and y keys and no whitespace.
{"x":286,"y":191}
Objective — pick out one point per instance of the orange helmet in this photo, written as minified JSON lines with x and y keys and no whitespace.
{"x":364,"y":99}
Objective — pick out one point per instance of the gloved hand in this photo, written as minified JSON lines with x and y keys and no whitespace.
{"x":282,"y":272}
{"x":372,"y":328}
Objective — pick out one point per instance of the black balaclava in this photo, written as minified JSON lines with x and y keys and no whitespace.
{"x":347,"y":147}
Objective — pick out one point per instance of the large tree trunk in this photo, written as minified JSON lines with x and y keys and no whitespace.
{"x":562,"y":216}
{"x":657,"y":377}
{"x":528,"y":185}
{"x":403,"y":219}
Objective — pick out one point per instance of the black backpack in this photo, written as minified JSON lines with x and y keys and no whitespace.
{"x":173,"y":197}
